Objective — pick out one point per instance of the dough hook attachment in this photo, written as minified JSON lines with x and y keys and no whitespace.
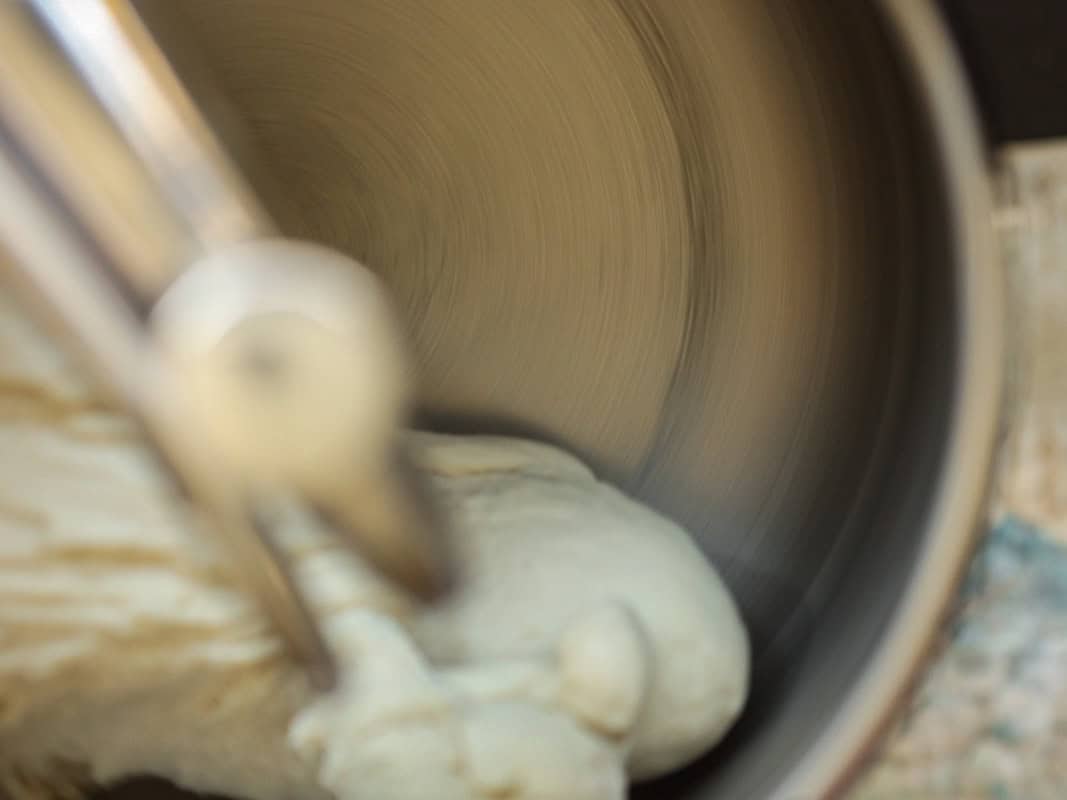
{"x":258,"y":366}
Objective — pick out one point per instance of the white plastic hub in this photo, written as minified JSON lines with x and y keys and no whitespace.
{"x":290,"y":360}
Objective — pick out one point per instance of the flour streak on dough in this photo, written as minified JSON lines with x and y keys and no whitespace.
{"x":586,"y":624}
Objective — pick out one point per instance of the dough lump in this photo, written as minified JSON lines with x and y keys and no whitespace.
{"x":589,"y":643}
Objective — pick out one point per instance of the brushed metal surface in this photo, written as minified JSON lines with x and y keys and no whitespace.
{"x":708,"y":246}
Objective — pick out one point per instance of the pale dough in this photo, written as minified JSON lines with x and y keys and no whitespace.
{"x":590,"y":642}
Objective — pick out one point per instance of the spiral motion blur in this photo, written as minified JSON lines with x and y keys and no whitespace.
{"x":698,"y":243}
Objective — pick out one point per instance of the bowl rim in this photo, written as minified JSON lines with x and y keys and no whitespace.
{"x":839,"y":753}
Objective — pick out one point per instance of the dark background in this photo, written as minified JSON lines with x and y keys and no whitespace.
{"x":1016,"y":52}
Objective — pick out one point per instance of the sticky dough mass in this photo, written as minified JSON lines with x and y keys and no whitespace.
{"x":589,"y":642}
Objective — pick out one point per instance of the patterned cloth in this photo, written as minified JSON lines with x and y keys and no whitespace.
{"x":989,"y":721}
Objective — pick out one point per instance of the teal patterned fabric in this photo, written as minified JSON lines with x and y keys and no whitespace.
{"x":989,"y":722}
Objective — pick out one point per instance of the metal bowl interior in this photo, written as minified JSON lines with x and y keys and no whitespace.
{"x":708,"y":246}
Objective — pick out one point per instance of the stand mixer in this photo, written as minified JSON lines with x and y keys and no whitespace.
{"x":735,"y":255}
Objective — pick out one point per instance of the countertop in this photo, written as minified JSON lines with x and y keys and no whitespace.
{"x":989,"y":718}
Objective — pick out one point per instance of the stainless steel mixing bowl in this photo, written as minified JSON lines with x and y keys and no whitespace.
{"x":737,"y":254}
